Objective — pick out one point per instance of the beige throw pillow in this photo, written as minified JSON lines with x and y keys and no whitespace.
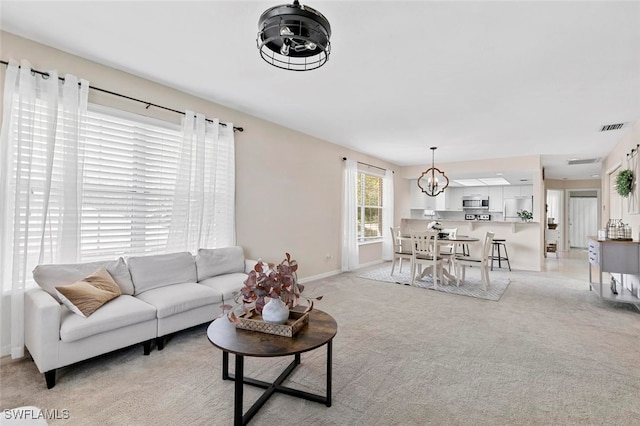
{"x":84,"y":297}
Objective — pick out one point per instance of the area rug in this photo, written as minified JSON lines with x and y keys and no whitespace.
{"x":472,"y":286}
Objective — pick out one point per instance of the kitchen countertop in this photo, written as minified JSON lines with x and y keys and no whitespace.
{"x":473,"y":224}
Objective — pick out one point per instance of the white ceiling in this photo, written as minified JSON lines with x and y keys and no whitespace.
{"x":476,"y":79}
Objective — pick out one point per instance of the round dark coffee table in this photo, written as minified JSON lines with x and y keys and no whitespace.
{"x":224,"y":335}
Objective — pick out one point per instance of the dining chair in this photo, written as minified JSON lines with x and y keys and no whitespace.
{"x":398,"y":252}
{"x":448,"y":251}
{"x":424,"y":247}
{"x":483,"y":262}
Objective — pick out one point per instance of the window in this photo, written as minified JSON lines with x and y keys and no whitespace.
{"x":369,"y":207}
{"x":130,"y":169}
{"x":126,"y":185}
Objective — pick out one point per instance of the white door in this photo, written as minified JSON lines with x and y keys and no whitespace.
{"x":583,"y":220}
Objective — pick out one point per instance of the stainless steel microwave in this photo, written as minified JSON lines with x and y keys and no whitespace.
{"x":471,"y":202}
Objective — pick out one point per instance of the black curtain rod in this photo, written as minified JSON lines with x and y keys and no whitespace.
{"x":367,"y":164}
{"x":148,"y":104}
{"x":634,"y":151}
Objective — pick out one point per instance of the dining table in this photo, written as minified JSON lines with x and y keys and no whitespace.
{"x":457,"y":241}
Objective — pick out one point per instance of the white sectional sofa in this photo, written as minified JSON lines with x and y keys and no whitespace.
{"x":161,"y":294}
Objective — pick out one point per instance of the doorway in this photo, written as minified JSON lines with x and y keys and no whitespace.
{"x":583,"y":217}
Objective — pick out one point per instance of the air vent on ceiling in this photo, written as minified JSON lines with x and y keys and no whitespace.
{"x":584,"y":161}
{"x":607,"y":127}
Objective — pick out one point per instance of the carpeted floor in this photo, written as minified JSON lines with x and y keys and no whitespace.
{"x":471,"y":286}
{"x":548,"y":353}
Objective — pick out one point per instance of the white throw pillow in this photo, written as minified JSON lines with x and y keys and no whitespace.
{"x":214,"y":262}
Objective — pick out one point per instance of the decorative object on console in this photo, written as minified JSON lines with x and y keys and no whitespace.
{"x":525,"y":215}
{"x":616,"y":230}
{"x":274,"y":282}
{"x":432,"y":185}
{"x":294,"y":37}
{"x":624,"y":182}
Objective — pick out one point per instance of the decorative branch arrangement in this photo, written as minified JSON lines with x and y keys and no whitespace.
{"x":270,"y":281}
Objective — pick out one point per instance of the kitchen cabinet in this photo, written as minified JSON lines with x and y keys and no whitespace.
{"x":495,"y":199}
{"x":512,"y":191}
{"x":453,"y":198}
{"x":526,"y":190}
{"x":418,"y":200}
{"x":475,"y":190}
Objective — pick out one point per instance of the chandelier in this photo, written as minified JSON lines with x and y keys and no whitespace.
{"x":294,"y":37}
{"x":428,"y":180}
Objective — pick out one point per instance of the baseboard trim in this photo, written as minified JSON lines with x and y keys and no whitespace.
{"x":375,"y":262}
{"x":319,"y":276}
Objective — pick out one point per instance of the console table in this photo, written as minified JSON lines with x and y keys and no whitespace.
{"x":615,"y":256}
{"x":224,"y":335}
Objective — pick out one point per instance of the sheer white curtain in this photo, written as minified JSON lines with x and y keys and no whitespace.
{"x":350,"y":252}
{"x":41,"y":157}
{"x":387,"y":215}
{"x":203,"y":205}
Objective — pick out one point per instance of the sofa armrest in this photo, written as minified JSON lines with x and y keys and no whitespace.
{"x":249,"y":264}
{"x":42,"y":328}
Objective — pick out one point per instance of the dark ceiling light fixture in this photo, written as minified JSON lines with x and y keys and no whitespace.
{"x":429,"y":178}
{"x":294,"y":37}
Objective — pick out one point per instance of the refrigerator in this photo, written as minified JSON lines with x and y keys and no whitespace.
{"x":513,"y":205}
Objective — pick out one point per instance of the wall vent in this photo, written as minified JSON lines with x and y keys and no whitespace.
{"x":585,"y":161}
{"x":607,"y":127}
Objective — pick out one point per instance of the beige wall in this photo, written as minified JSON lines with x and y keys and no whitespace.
{"x":572,"y":184}
{"x":629,"y":141}
{"x":289,"y":185}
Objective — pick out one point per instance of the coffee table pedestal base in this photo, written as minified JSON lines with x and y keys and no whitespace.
{"x":241,"y":418}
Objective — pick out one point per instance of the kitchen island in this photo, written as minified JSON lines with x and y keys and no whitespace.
{"x":524,"y":240}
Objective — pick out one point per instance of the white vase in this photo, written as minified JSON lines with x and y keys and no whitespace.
{"x":275,"y":311}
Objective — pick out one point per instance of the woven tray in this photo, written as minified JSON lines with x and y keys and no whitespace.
{"x":295,"y":323}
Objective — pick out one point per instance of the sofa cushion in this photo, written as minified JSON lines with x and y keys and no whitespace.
{"x":227,"y":284}
{"x":149,"y":272}
{"x":177,"y":298}
{"x":213,"y":262}
{"x":120,"y":312}
{"x":86,"y":296}
{"x":50,"y":276}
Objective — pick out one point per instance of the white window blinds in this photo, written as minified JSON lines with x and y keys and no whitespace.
{"x":127,"y":169}
{"x":129,"y":183}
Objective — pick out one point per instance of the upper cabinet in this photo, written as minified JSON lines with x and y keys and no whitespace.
{"x":495,"y":199}
{"x":517,"y":191}
{"x":476,"y":190}
{"x":451,"y":199}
